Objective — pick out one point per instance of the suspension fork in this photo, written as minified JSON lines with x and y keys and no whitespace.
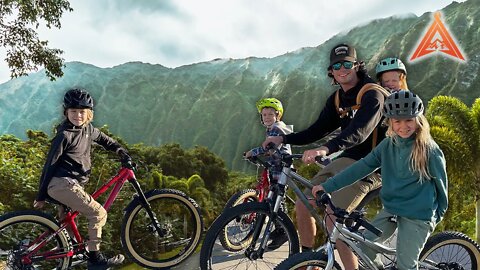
{"x":143,"y":201}
{"x":273,"y":202}
{"x":250,"y":251}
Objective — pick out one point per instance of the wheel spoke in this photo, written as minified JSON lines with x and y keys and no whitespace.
{"x":19,"y":232}
{"x":247,"y":254}
{"x":178,"y":218}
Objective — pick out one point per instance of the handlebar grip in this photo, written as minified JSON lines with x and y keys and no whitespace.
{"x":270,"y":145}
{"x":371,"y":228}
{"x":322,"y":198}
{"x":323,"y":160}
{"x":129,"y":164}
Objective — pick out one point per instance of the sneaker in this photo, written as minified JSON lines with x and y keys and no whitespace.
{"x":98,"y":261}
{"x":279,"y":237}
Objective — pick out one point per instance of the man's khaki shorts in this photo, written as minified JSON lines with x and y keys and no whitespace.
{"x":350,"y":196}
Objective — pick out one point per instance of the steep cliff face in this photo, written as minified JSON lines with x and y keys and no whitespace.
{"x":213,"y":103}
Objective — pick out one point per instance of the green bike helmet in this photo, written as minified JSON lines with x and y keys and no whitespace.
{"x":270,"y":103}
{"x":403,"y":105}
{"x":389,"y":64}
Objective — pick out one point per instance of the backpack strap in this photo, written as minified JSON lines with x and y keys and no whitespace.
{"x":337,"y":103}
{"x":367,"y":87}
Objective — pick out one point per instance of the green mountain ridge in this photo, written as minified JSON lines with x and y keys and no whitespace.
{"x":213,"y":103}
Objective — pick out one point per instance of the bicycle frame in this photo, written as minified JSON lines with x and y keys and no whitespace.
{"x":124,"y":174}
{"x":340,"y":232}
{"x":288,"y":177}
{"x":263,"y":186}
{"x":350,"y":238}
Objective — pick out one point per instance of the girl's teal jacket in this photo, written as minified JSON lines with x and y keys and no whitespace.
{"x":402,"y":191}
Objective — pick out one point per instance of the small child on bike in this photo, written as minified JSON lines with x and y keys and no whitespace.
{"x":392,"y":74}
{"x":68,"y":167}
{"x":414,"y":179}
{"x":271,"y":112}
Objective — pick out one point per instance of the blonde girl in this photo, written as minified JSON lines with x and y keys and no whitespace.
{"x":414,"y":179}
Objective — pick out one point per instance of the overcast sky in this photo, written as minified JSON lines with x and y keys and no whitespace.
{"x":172,"y":33}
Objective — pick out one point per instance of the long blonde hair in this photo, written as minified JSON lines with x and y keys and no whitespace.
{"x":423,"y":144}
{"x":403,"y":81}
{"x":402,"y":78}
{"x":89,"y":116}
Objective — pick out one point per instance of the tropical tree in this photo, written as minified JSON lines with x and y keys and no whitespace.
{"x":456,"y":128}
{"x":19,"y":22}
{"x":210,"y":167}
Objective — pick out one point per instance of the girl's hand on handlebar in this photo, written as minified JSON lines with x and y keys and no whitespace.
{"x":316,"y":189}
{"x":272,"y":139}
{"x":309,"y":155}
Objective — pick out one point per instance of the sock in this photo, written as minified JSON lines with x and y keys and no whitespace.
{"x":93,"y":255}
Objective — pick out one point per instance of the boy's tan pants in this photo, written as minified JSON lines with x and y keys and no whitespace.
{"x":70,"y":193}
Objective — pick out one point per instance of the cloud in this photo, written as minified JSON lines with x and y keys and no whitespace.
{"x":180,"y":32}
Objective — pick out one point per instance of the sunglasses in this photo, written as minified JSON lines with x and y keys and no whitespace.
{"x":346,"y":65}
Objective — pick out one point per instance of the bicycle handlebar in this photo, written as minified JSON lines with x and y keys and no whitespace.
{"x":321,"y":160}
{"x":129,"y":164}
{"x":323,"y":198}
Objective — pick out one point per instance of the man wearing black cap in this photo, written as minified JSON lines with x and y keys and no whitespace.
{"x":355,"y":139}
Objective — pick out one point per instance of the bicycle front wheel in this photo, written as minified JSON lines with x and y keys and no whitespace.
{"x":180,"y":219}
{"x":20,"y":230}
{"x":452,"y":250}
{"x":305,"y":259}
{"x":229,"y":242}
{"x":240,"y":221}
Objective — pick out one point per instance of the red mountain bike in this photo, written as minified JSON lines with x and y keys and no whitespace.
{"x":160,"y":229}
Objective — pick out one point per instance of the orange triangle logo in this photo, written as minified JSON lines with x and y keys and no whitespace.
{"x":437,"y":39}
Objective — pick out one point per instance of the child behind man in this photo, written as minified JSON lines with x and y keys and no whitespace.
{"x":392,"y":74}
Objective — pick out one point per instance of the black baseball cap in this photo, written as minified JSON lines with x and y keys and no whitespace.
{"x":342,"y":52}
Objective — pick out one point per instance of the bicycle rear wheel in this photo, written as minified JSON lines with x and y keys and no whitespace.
{"x":242,"y":196}
{"x":230,"y":242}
{"x":179,"y":216}
{"x":20,"y":230}
{"x":453,"y":249}
{"x":214,"y":256}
